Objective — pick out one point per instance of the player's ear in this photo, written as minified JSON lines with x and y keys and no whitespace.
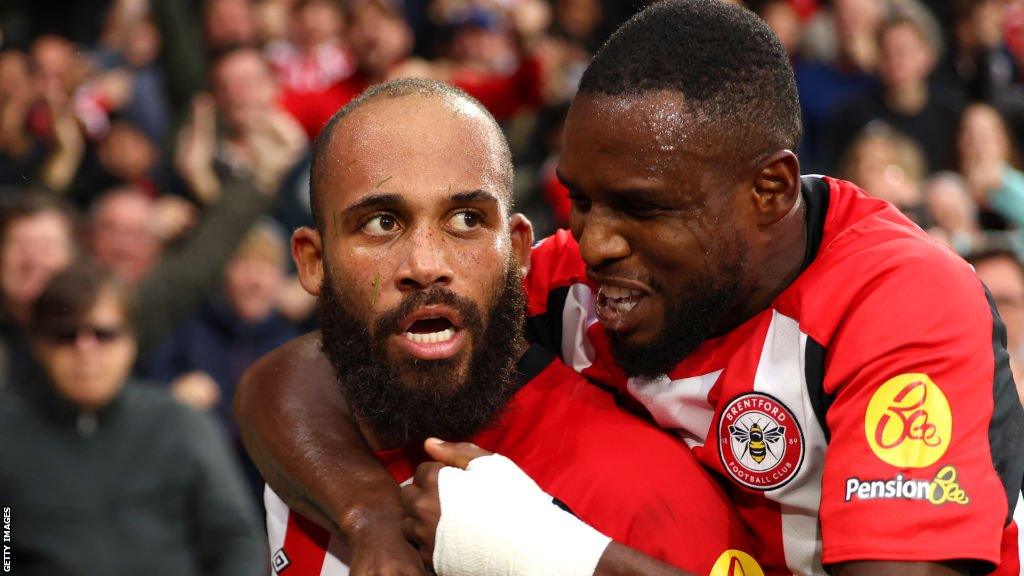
{"x":776,"y":187}
{"x":307,"y":251}
{"x":522,"y":240}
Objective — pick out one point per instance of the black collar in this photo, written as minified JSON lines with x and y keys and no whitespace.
{"x":815,"y":192}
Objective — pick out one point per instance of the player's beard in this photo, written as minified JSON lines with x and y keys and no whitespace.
{"x":693,"y":314}
{"x":410,"y":399}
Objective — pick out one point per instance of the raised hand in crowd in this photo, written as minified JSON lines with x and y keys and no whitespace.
{"x":67,"y":142}
{"x":274,"y":141}
{"x":17,"y":95}
{"x":197,"y":146}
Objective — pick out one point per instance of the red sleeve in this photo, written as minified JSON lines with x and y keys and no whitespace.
{"x":912,"y":370}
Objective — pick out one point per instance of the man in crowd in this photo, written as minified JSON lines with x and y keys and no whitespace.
{"x":105,"y":475}
{"x":810,"y":344}
{"x":204,"y":358}
{"x":1003,"y":274}
{"x":37,"y":233}
{"x":417,"y":265}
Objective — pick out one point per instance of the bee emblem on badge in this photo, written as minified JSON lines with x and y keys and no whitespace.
{"x":757,"y":441}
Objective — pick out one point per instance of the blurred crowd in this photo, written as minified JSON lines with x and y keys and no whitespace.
{"x":154,"y":156}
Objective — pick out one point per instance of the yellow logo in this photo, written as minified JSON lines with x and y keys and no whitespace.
{"x":945,"y":489}
{"x":908,"y":423}
{"x":736,"y":563}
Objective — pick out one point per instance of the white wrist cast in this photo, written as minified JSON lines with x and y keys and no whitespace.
{"x":496,"y":521}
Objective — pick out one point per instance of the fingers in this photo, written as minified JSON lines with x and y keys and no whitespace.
{"x":458,"y":454}
{"x":204,"y":117}
{"x":422,"y":512}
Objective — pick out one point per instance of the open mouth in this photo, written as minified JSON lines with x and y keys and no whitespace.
{"x":430,"y":330}
{"x":619,"y":308}
{"x":432,"y":333}
{"x":618,"y":300}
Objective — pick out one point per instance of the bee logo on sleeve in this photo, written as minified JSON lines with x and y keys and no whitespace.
{"x":736,"y":563}
{"x":760,"y":441}
{"x":908,"y":423}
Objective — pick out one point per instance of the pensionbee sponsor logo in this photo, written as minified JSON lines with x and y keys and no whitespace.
{"x":908,"y":423}
{"x":736,"y":563}
{"x":942,"y":489}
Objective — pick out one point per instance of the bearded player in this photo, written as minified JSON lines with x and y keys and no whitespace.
{"x":845,"y":375}
{"x":416,"y":264}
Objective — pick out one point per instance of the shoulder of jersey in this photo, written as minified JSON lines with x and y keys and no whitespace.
{"x":865,"y":237}
{"x":870,"y":249}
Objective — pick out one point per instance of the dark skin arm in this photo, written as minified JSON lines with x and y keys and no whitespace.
{"x":299,"y":433}
{"x":422,"y":506}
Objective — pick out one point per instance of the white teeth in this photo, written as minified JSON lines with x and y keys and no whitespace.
{"x":431,"y":337}
{"x":618,"y":292}
{"x":626,"y":306}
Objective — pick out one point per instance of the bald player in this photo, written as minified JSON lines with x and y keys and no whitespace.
{"x":842,"y":373}
{"x":417,"y":264}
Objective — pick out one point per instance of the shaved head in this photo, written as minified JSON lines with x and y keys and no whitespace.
{"x":408,"y":106}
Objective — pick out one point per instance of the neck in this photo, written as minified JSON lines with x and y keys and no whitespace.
{"x":909,"y":99}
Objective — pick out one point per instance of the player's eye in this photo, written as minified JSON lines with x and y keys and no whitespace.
{"x":466,"y":221}
{"x":380,"y":225}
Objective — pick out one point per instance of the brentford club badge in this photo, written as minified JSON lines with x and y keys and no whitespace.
{"x":760,"y":441}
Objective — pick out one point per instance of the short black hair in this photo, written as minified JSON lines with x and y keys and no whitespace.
{"x":726,"y":62}
{"x":392,"y":90}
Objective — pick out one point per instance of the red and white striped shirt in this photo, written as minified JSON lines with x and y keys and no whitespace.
{"x":616,"y":472}
{"x":868,"y":414}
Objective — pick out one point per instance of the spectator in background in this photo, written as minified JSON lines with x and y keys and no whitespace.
{"x":203,"y":360}
{"x":122,"y":236}
{"x":228,"y":24}
{"x":490,"y":53}
{"x":986,"y":156}
{"x":784,"y":21}
{"x":140,"y":484}
{"x":838,"y":64}
{"x":37,"y":240}
{"x":889,"y":164}
{"x":908,"y":49}
{"x":177,"y":283}
{"x":123,"y":156}
{"x":131,"y":45}
{"x":189,"y":40}
{"x":1003,"y":274}
{"x":979,"y":63}
{"x":39,"y":135}
{"x":22,"y":153}
{"x":246,"y":98}
{"x":315,"y":58}
{"x":952,"y":214}
{"x":379,"y":39}
{"x":582,"y":22}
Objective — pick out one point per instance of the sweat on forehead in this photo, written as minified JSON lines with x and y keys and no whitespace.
{"x":398,"y":110}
